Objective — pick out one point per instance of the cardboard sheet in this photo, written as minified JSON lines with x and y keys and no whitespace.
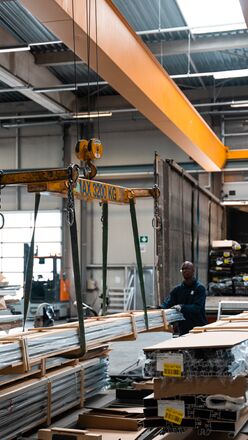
{"x":201,"y":340}
{"x":170,"y":386}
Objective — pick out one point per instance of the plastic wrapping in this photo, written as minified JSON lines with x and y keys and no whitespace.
{"x":226,"y":403}
{"x":172,"y":315}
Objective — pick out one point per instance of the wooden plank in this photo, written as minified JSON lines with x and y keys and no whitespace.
{"x":66,"y":433}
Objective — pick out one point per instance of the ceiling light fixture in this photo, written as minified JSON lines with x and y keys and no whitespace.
{"x":200,"y":17}
{"x":46,"y":43}
{"x":230,"y":74}
{"x":91,"y":115}
{"x":14,"y":49}
{"x":223,"y":74}
{"x":239,"y":104}
{"x":14,"y":89}
{"x":235,"y":202}
{"x":191,"y":75}
{"x":28,"y":124}
{"x":53,"y":89}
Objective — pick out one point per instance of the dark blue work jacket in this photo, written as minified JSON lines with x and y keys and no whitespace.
{"x":192,"y":299}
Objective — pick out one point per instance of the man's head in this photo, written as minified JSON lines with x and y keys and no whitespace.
{"x":187,"y":270}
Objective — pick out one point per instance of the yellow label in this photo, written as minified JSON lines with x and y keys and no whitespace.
{"x":173,"y":415}
{"x":226,"y":254}
{"x":173,"y":370}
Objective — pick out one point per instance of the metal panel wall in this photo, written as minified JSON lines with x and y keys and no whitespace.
{"x":191,"y":219}
{"x":25,"y":148}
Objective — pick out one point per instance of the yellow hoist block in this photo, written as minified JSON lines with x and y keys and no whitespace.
{"x":89,"y":150}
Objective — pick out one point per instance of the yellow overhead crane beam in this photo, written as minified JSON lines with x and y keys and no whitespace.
{"x":127,"y":64}
{"x":131,"y":69}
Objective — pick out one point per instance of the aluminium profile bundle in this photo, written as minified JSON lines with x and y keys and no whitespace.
{"x":36,"y":401}
{"x":64,"y":338}
{"x":205,"y":362}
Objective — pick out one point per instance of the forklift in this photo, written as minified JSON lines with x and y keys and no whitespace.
{"x":49,"y":285}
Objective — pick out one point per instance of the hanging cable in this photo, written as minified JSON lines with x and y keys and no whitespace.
{"x":189,"y":47}
{"x":88,"y":15}
{"x":75,"y":68}
{"x":97,"y":73}
{"x":198,"y":232}
{"x":209,"y":233}
{"x":193,"y":225}
{"x":183,"y":217}
{"x":71,"y":218}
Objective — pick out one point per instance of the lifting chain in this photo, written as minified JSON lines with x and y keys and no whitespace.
{"x":156,"y":221}
{"x":70,"y":207}
{"x":2,"y":220}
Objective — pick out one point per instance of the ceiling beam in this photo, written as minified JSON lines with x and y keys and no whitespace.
{"x":130,"y":68}
{"x":211,"y":44}
{"x":18,"y":69}
{"x":223,"y":92}
{"x":56,"y":58}
{"x":179,"y":47}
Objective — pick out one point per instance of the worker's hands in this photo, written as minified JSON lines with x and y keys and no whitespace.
{"x":177,"y":307}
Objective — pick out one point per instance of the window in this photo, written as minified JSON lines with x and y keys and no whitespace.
{"x":204,"y":16}
{"x":18,"y":230}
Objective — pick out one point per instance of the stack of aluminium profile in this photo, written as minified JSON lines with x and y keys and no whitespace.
{"x":64,"y":338}
{"x":29,"y":403}
{"x":172,"y":315}
{"x":200,"y":382}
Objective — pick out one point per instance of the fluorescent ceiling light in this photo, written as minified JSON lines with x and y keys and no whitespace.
{"x":223,"y":74}
{"x":14,"y":49}
{"x":230,"y":74}
{"x":52,"y":89}
{"x":235,"y":202}
{"x":14,"y":89}
{"x":212,"y":16}
{"x":45,"y":43}
{"x":28,"y":124}
{"x":239,"y":104}
{"x":91,"y":115}
{"x":191,"y":75}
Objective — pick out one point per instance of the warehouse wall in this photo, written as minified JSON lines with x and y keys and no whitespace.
{"x":30,"y":147}
{"x":129,"y":138}
{"x":191,"y":219}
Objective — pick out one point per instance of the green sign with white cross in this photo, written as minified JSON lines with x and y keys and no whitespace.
{"x":143,"y":239}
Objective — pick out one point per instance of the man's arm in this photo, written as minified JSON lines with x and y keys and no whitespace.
{"x":170,"y":301}
{"x":192,"y":310}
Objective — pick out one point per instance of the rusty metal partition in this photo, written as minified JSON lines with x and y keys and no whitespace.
{"x":191,"y":217}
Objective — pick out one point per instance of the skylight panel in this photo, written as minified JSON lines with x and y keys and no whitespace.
{"x":203,"y":16}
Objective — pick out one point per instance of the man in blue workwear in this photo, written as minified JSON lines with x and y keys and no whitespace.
{"x":189,"y":299}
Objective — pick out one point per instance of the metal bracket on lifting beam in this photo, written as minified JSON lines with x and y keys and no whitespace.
{"x":36,"y":176}
{"x":55,"y":181}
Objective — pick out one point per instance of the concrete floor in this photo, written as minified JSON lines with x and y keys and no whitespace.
{"x":125,"y":354}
